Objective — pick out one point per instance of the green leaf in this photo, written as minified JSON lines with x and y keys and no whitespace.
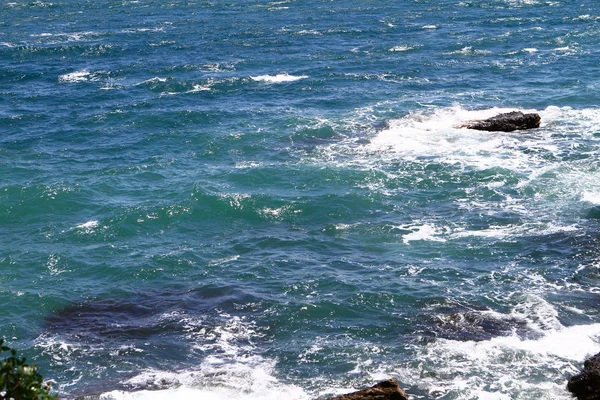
{"x":21,"y":381}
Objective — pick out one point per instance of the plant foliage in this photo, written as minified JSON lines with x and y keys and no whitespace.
{"x":20,"y":381}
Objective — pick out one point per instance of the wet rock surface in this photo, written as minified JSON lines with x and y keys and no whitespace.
{"x":586,"y":385}
{"x":385,"y":390}
{"x":507,"y":122}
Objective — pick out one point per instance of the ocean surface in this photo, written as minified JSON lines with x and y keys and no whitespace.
{"x":243,"y":199}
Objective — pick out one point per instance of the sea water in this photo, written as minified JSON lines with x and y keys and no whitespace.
{"x":263,"y":200}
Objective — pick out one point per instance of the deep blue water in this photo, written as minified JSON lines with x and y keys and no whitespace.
{"x":259,"y":200}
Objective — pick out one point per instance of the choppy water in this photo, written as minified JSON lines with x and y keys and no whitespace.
{"x":259,"y":200}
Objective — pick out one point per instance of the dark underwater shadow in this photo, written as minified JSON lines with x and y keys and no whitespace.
{"x":115,"y":337}
{"x":139,"y":315}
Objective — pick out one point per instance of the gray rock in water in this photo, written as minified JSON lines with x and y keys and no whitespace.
{"x":386,"y":390}
{"x":586,"y":385}
{"x":506,"y":122}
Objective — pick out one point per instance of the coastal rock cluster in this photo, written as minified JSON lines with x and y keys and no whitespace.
{"x":586,"y":385}
{"x":507,"y":122}
{"x":385,"y":390}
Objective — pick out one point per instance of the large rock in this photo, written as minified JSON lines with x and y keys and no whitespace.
{"x":586,"y":385}
{"x":506,"y":122}
{"x":386,"y":390}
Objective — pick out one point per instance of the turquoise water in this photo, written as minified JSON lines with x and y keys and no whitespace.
{"x":259,"y":200}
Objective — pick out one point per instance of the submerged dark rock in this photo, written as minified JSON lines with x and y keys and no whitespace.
{"x":476,"y":325}
{"x":506,"y":122}
{"x":140,"y":316}
{"x":586,"y":385}
{"x":385,"y":390}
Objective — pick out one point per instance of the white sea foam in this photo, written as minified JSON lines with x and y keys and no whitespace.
{"x":77,"y":76}
{"x":577,"y":121}
{"x":231,"y":371}
{"x":520,"y":3}
{"x":279,"y":78}
{"x":143,"y":30}
{"x":70,"y":37}
{"x":309,"y":32}
{"x":199,"y":88}
{"x":156,"y":79}
{"x":436,"y":135}
{"x":591,"y":197}
{"x":511,"y":231}
{"x":401,"y":48}
{"x":266,"y":392}
{"x":248,"y":164}
{"x":573,"y":343}
{"x":87,"y":227}
{"x":429,"y":27}
{"x":506,"y":367}
{"x":538,"y":313}
{"x":468,"y":50}
{"x":587,"y":17}
{"x":423,"y":232}
{"x":195,"y":89}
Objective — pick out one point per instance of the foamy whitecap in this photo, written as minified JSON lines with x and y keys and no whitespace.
{"x":199,"y":88}
{"x":591,"y":197}
{"x":587,"y":17}
{"x":77,"y":76}
{"x":423,"y":232}
{"x":468,"y":50}
{"x":248,"y":164}
{"x":88,"y":225}
{"x":280,"y":78}
{"x":156,"y":79}
{"x":309,"y":32}
{"x":515,"y":231}
{"x":401,"y":48}
{"x":537,"y":312}
{"x":429,"y":27}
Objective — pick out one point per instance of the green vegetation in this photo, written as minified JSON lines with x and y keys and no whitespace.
{"x":20,"y":381}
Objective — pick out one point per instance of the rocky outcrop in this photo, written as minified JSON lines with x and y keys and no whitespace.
{"x":386,"y":390}
{"x":506,"y":122}
{"x":586,"y":385}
